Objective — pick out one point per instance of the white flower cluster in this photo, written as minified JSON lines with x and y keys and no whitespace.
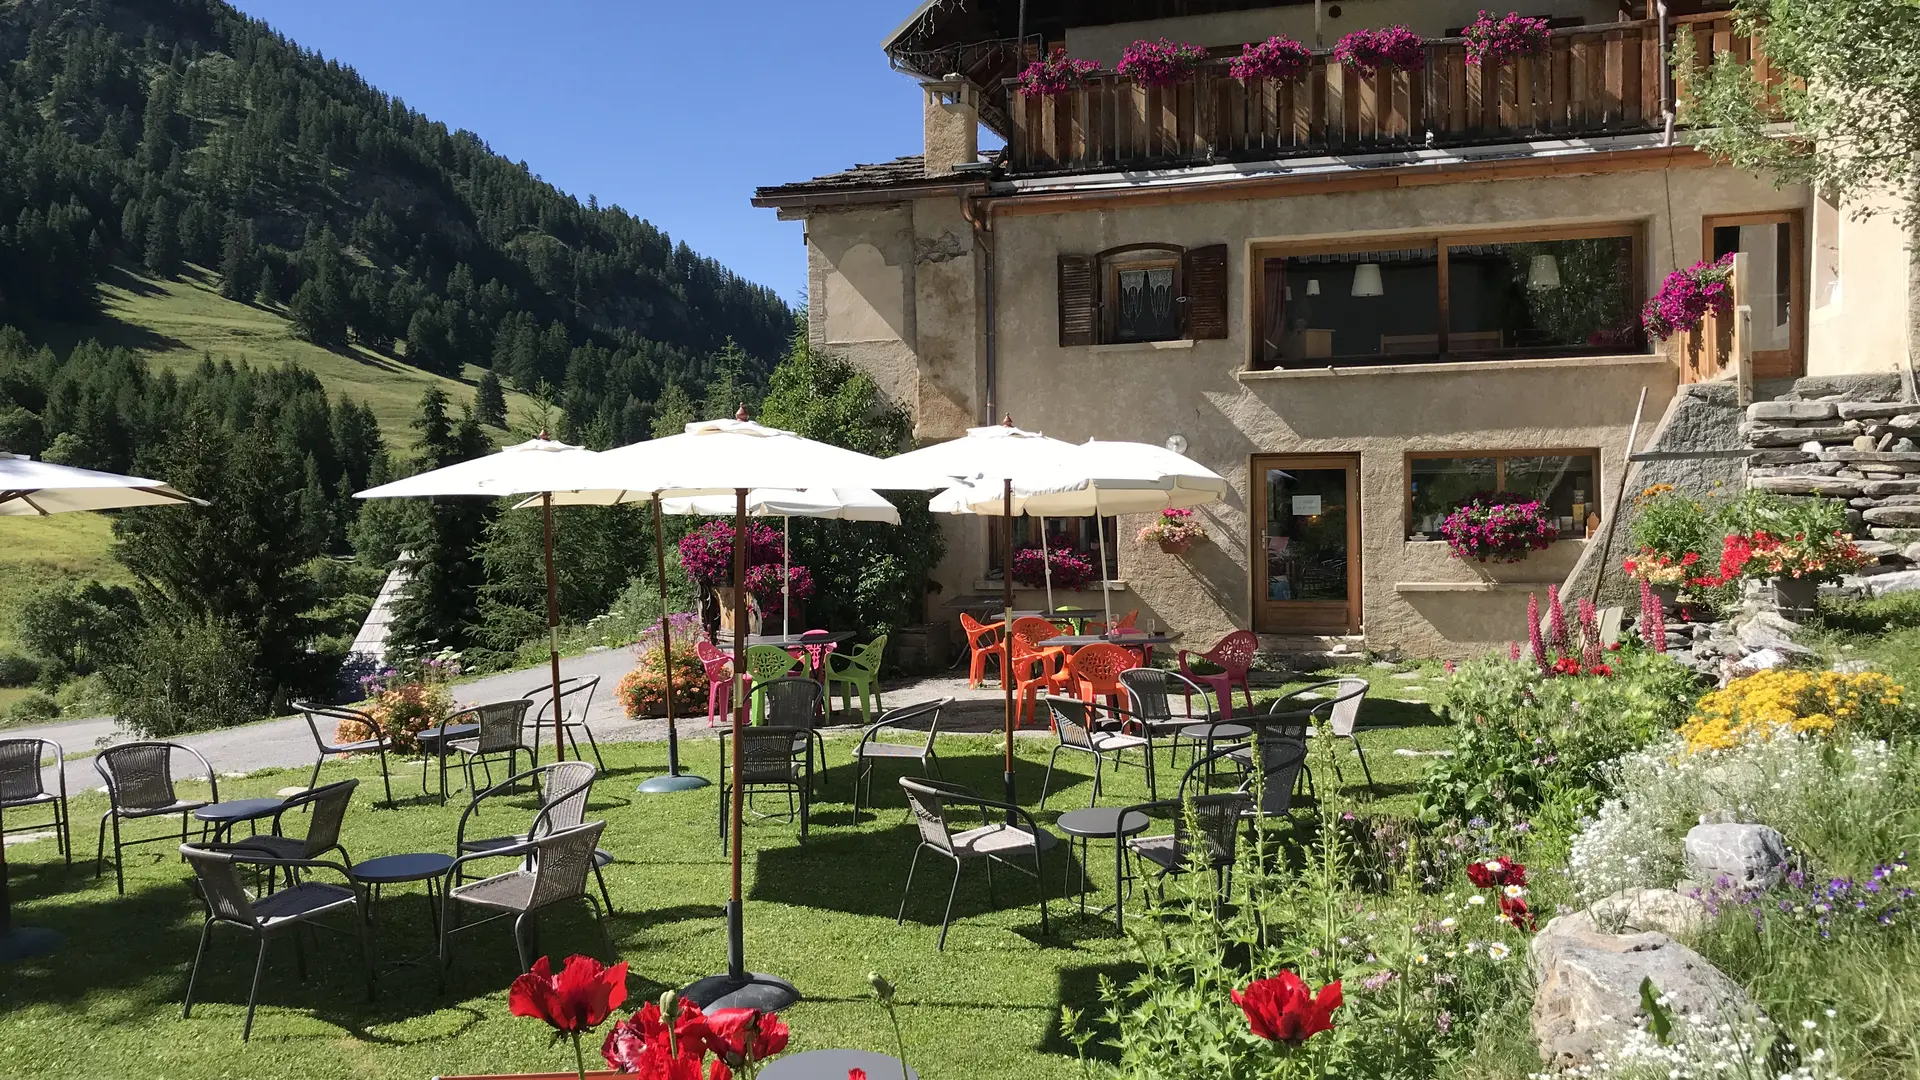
{"x":1720,"y":1051}
{"x":1662,"y":791}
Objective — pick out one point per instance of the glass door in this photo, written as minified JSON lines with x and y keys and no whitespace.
{"x":1306,"y":564}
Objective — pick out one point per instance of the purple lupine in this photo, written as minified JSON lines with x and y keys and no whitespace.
{"x":1557,"y":622}
{"x":1534,"y":644}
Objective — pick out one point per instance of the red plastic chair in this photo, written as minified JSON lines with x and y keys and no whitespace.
{"x":1094,"y":673}
{"x":1035,"y":671}
{"x":984,"y":641}
{"x":719,"y":668}
{"x":1233,"y":655}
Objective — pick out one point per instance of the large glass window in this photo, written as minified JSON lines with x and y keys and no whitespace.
{"x":1542,"y":295}
{"x":1063,"y":534}
{"x":1566,"y":482}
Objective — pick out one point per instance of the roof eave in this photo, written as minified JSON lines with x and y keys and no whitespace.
{"x":780,"y":198}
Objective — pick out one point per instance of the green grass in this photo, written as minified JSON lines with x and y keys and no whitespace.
{"x":821,"y":914}
{"x":40,"y":551}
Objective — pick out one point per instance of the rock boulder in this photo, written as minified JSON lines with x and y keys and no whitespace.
{"x":1588,"y":987}
{"x":1750,"y":856}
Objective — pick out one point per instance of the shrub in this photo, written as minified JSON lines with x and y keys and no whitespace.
{"x":1492,"y":41}
{"x":643,"y":691}
{"x":1671,"y":523}
{"x":403,"y":710}
{"x":1280,"y":58}
{"x":706,"y":553}
{"x":763,"y":584}
{"x":35,"y":708}
{"x":1805,"y":702}
{"x":78,"y":628}
{"x":189,"y":676}
{"x":18,"y":670}
{"x":1389,"y":48}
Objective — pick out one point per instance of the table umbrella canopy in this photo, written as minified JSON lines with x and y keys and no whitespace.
{"x":528,"y":468}
{"x":985,"y":455}
{"x":30,"y":488}
{"x":1096,"y":477}
{"x":842,"y":504}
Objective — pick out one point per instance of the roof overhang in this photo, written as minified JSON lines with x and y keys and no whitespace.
{"x":784,"y":198}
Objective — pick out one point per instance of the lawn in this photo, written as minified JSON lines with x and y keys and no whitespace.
{"x":820,"y":914}
{"x":38,"y":552}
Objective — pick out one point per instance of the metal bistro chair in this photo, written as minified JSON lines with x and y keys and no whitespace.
{"x":1342,"y":714}
{"x":1150,"y":695}
{"x":564,"y":788}
{"x":139,"y":778}
{"x":1280,"y":738}
{"x":502,"y":734}
{"x":381,"y":741}
{"x":1176,"y":851}
{"x":329,"y":805}
{"x":576,"y":702}
{"x":794,"y":702}
{"x":22,"y":786}
{"x":553,"y":871}
{"x":767,"y":763}
{"x":873,"y":750}
{"x":288,"y":910}
{"x":993,"y":841}
{"x":1074,"y":723}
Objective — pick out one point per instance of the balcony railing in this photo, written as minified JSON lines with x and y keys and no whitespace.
{"x":1599,"y":80}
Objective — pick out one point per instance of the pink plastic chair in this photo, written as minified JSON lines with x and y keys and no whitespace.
{"x":719,"y":668}
{"x":1233,"y":655}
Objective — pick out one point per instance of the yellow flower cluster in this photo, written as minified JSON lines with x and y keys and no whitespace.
{"x":1752,"y":708}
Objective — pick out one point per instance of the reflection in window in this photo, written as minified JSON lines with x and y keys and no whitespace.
{"x":1367,"y":303}
{"x":1146,"y":304}
{"x":1566,"y":484}
{"x":1540,"y":296}
{"x":1063,"y":534}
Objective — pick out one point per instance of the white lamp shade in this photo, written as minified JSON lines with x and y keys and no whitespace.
{"x":1366,"y":280}
{"x":1544,"y":273}
{"x":1313,"y":286}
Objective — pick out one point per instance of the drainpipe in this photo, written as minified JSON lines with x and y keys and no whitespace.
{"x":983,"y":236}
{"x":1666,"y":74}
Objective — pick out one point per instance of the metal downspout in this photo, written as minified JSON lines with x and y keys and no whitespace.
{"x":1666,"y":75}
{"x":983,"y":235}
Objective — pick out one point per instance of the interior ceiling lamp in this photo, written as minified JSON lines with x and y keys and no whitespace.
{"x":1313,"y":286}
{"x":1544,"y":273}
{"x":1366,"y":280}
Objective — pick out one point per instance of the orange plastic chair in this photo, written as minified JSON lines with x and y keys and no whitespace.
{"x":1035,"y":671}
{"x":1094,"y":673}
{"x":984,"y":640}
{"x":1033,"y":631}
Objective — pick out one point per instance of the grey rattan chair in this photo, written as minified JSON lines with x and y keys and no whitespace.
{"x":140,"y":785}
{"x":1150,"y":701}
{"x":502,"y":734}
{"x":380,"y":743}
{"x":288,"y":910}
{"x":23,"y":785}
{"x":576,"y":702}
{"x":1078,"y":729}
{"x":553,"y":871}
{"x":873,"y":750}
{"x":329,"y":806}
{"x":564,"y":788}
{"x":769,"y":761}
{"x":993,"y":841}
{"x":1175,"y":851}
{"x":1280,"y":738}
{"x":797,"y":702}
{"x":1342,"y":716}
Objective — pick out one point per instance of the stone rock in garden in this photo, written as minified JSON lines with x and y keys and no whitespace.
{"x":1768,"y":630}
{"x":1883,"y":442}
{"x":1808,"y":468}
{"x":1893,"y":535}
{"x":1588,"y":987}
{"x":1792,"y":410}
{"x":1857,"y":427}
{"x":1905,"y":517}
{"x":1795,"y":436}
{"x":1750,"y":856}
{"x":1811,"y":447}
{"x":1634,"y":911}
{"x":1871,"y":410}
{"x":1764,"y":660}
{"x":1906,"y":421}
{"x":1881,"y":488}
{"x":1899,"y":581}
{"x":1897,"y":500}
{"x":1829,"y":486}
{"x":1876,"y":549}
{"x":1910,"y":462}
{"x":1905,"y":446}
{"x":1409,"y":676}
{"x":1852,"y":667}
{"x":1866,"y":442}
{"x":1910,"y":552}
{"x":1781,"y":457}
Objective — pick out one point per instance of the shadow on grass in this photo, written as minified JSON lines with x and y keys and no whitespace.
{"x":1079,"y":990}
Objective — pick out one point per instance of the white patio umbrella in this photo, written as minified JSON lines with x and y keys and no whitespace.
{"x":843,"y":504}
{"x":720,"y":457}
{"x":30,"y":488}
{"x":535,"y":467}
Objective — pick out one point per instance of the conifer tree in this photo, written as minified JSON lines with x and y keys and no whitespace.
{"x":238,"y":274}
{"x":162,"y":254}
{"x":441,"y":603}
{"x":490,"y":401}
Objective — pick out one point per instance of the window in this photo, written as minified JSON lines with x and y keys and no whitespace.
{"x":1566,"y":482}
{"x":1063,"y":534}
{"x":1143,"y":292}
{"x":1548,"y":292}
{"x":1775,"y":270}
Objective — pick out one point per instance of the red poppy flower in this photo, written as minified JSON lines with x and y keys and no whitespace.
{"x":575,"y":1000}
{"x":640,"y":1045}
{"x":729,"y":1031}
{"x":856,"y":1074}
{"x":1282,"y":1009}
{"x":1496,"y":873}
{"x":1516,"y":912}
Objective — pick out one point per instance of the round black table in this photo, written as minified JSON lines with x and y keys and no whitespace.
{"x":833,"y":1065}
{"x":1205,"y":736}
{"x":433,"y":743}
{"x":1103,"y":823}
{"x":223,"y":816}
{"x":425,"y":866}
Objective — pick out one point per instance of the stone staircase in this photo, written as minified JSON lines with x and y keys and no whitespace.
{"x":1304,"y":652}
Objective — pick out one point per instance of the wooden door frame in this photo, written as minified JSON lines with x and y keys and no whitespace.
{"x":1799,"y":297}
{"x":1347,"y":622}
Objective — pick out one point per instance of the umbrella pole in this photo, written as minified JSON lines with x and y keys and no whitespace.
{"x":786,"y":571}
{"x":1006,"y":590}
{"x":675,"y":780}
{"x":1046,"y":566}
{"x":739,"y":988}
{"x":553,"y":623}
{"x":1100,"y":530}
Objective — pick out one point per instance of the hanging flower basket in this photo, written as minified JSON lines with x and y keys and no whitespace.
{"x":1175,"y":531}
{"x":1279,"y":58}
{"x":1175,"y":547}
{"x":1390,"y":48}
{"x":1498,"y":526}
{"x":1056,"y":74}
{"x":1687,"y":296}
{"x":1161,"y":63}
{"x":1492,"y":42}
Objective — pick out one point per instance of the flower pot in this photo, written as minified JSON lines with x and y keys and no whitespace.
{"x":724,"y":595}
{"x":1795,"y":596}
{"x":1175,"y":547}
{"x":1668,"y":595}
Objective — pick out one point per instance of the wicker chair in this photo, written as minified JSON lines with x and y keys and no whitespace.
{"x":992,"y":841}
{"x":1342,"y":715}
{"x":329,"y":805}
{"x":564,"y":787}
{"x":502,"y":734}
{"x":381,"y":741}
{"x":1176,"y":851}
{"x":553,"y":871}
{"x":1280,"y":739}
{"x":794,"y":702}
{"x":140,"y":785}
{"x":22,"y":785}
{"x":286,"y":911}
{"x":1078,"y":730}
{"x":873,"y":750}
{"x":767,"y":763}
{"x":576,"y":702}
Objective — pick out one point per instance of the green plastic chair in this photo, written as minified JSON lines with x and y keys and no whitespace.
{"x":859,"y":669}
{"x":766,"y":663}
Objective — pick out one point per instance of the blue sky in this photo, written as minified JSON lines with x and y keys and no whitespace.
{"x":674,"y":109}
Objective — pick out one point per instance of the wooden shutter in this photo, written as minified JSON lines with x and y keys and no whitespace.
{"x":1079,"y":302}
{"x":1205,"y":277}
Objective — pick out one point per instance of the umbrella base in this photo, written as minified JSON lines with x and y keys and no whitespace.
{"x":672,"y":782}
{"x":751,"y":990}
{"x":26,"y":942}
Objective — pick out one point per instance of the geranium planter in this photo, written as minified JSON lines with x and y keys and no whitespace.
{"x":1795,"y":596}
{"x":1175,"y":547}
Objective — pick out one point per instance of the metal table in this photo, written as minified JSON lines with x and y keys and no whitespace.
{"x":433,"y":743}
{"x":1103,"y":823}
{"x":1205,"y":736}
{"x":834,"y":1065}
{"x":1130,"y":641}
{"x":223,"y":816}
{"x":794,"y":641}
{"x":429,"y":867}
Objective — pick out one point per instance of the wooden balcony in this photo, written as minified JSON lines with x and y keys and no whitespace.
{"x":1592,"y":81}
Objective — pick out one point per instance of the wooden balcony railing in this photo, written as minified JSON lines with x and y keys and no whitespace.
{"x":1598,"y":80}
